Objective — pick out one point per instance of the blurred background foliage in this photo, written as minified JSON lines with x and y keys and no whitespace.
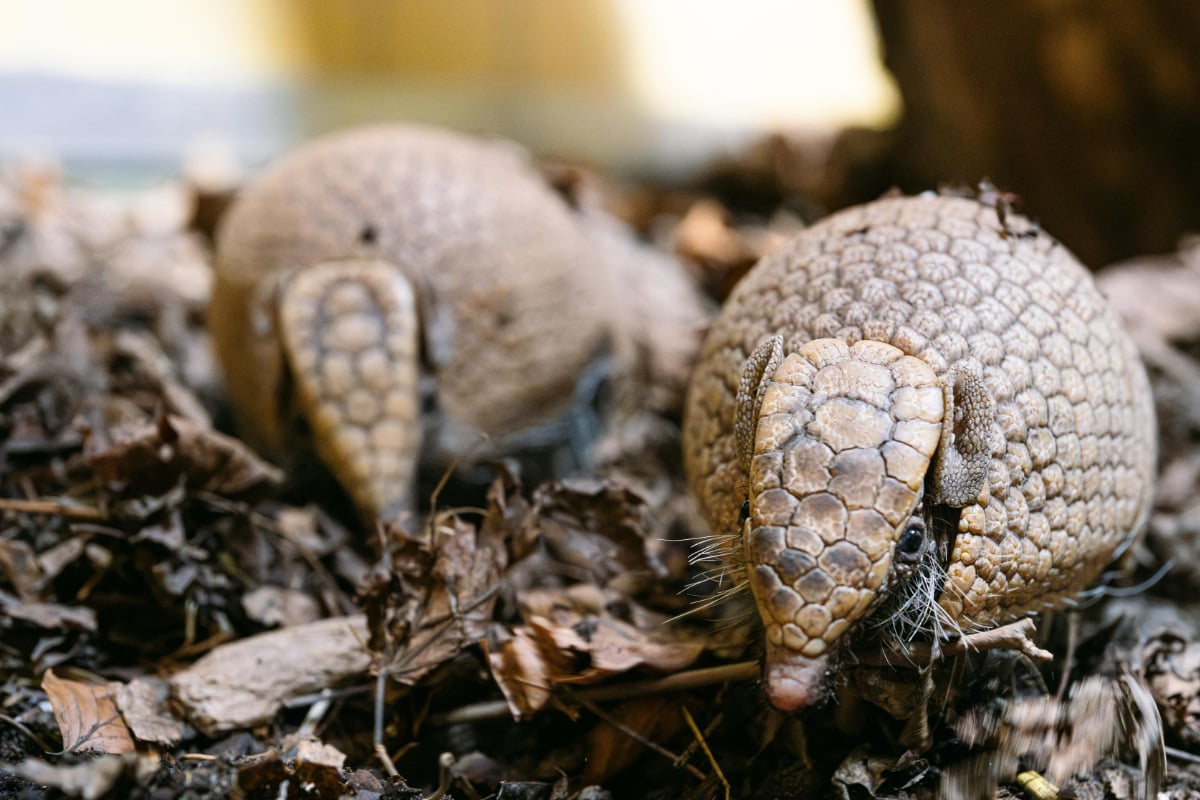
{"x":648,"y":84}
{"x":1087,"y":109}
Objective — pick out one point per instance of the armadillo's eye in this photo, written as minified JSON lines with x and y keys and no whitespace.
{"x":744,"y":513}
{"x":912,"y":541}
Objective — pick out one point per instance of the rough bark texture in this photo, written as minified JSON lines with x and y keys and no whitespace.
{"x":1088,"y":110}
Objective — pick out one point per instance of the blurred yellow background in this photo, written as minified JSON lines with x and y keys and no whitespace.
{"x":645,"y":84}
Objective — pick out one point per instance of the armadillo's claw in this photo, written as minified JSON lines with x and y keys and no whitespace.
{"x":349,"y":333}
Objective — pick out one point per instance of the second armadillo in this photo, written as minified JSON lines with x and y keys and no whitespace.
{"x":378,"y":270}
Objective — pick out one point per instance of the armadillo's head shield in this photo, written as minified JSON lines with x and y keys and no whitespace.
{"x":839,"y":439}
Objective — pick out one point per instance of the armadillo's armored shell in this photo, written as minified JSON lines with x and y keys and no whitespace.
{"x":1068,"y":454}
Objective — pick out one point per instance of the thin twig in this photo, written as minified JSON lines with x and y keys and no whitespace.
{"x":56,"y":508}
{"x":312,"y":719}
{"x":694,"y":745}
{"x":380,"y":686}
{"x":679,"y":682}
{"x":1182,"y":755}
{"x":687,"y":715}
{"x":1016,"y":636}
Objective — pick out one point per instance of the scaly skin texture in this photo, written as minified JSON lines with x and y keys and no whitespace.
{"x":822,"y":398}
{"x":325,"y":263}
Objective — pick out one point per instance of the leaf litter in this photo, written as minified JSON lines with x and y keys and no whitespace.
{"x":533,"y":641}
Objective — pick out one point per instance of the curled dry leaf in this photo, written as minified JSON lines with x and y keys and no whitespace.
{"x":524,"y":666}
{"x":144,"y":365}
{"x":571,"y":638}
{"x":612,"y":647}
{"x":87,"y":715}
{"x":156,"y":456}
{"x":318,"y":765}
{"x":439,"y":594}
{"x":244,"y":683}
{"x":705,"y":235}
{"x":437,"y":599}
{"x":53,"y":560}
{"x":862,"y":774}
{"x":270,"y":775}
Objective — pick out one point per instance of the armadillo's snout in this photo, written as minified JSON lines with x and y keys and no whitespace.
{"x":793,"y":681}
{"x":843,"y":441}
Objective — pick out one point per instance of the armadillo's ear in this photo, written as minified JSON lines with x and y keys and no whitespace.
{"x":349,"y":331}
{"x":753,"y":384}
{"x":964,"y":452}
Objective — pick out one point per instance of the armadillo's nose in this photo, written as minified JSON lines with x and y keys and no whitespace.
{"x":793,"y":681}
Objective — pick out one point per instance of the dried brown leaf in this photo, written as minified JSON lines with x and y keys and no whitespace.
{"x":860,"y":772}
{"x":87,"y":715}
{"x":319,"y":766}
{"x":525,"y":669}
{"x":53,"y":560}
{"x":144,"y":364}
{"x":571,"y":638}
{"x":439,"y":593}
{"x":155,"y":457}
{"x":705,"y":235}
{"x":611,"y":647}
{"x":589,"y":614}
{"x":455,"y":607}
{"x":309,"y":763}
{"x":262,"y":775}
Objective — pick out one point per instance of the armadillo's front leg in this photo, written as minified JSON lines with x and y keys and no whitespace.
{"x":350,"y":336}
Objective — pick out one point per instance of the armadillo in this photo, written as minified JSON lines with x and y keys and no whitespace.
{"x":371,"y":264}
{"x":921,"y":408}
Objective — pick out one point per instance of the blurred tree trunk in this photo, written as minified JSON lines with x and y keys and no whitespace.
{"x":1087,"y":109}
